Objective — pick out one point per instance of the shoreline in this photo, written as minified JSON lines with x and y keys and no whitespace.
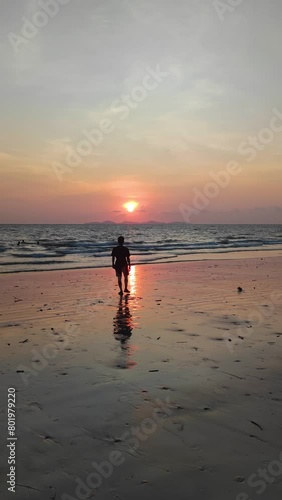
{"x":196,"y":257}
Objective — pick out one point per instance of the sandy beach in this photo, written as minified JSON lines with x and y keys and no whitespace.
{"x":172,"y":392}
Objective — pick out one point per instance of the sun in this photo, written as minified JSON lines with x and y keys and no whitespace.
{"x":131,"y":206}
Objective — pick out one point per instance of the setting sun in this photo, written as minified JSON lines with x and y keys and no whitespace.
{"x":131,"y":206}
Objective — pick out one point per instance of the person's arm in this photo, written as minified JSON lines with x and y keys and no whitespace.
{"x":128,"y":259}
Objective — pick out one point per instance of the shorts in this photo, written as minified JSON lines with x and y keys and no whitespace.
{"x":124,"y":270}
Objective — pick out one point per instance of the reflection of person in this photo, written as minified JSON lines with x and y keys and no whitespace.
{"x":123,"y":328}
{"x":123,"y":322}
{"x":121,"y":264}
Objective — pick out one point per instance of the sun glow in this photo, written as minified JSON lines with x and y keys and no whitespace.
{"x":131,"y":206}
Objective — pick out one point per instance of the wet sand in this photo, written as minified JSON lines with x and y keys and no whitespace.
{"x":173,"y":391}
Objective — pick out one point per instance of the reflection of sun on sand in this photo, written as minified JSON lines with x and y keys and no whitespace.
{"x":132,"y":280}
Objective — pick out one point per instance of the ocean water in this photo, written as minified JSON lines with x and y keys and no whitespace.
{"x":50,"y":247}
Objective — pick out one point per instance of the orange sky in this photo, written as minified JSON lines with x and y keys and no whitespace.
{"x":141,"y":107}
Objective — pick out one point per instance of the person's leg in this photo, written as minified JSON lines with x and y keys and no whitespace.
{"x":126,"y":281}
{"x":119,"y":282}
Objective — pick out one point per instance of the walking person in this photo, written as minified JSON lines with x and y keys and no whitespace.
{"x":121,"y":264}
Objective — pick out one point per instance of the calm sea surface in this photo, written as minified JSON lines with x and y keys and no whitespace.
{"x":69,"y":246}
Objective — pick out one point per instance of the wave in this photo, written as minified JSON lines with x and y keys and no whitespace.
{"x":82,"y":246}
{"x":63,"y":267}
{"x":32,"y":263}
{"x":31,"y":255}
{"x":105,"y":248}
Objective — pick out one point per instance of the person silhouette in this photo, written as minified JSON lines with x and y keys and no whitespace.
{"x":121,"y":264}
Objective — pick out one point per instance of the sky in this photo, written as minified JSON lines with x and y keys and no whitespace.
{"x":106,"y":102}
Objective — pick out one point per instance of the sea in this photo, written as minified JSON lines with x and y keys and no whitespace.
{"x":72,"y":246}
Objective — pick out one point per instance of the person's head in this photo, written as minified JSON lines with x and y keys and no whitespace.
{"x":121,"y":240}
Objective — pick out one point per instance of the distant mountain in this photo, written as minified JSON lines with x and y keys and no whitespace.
{"x":98,"y":222}
{"x":154,"y":222}
{"x":146,"y":222}
{"x":127,"y":222}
